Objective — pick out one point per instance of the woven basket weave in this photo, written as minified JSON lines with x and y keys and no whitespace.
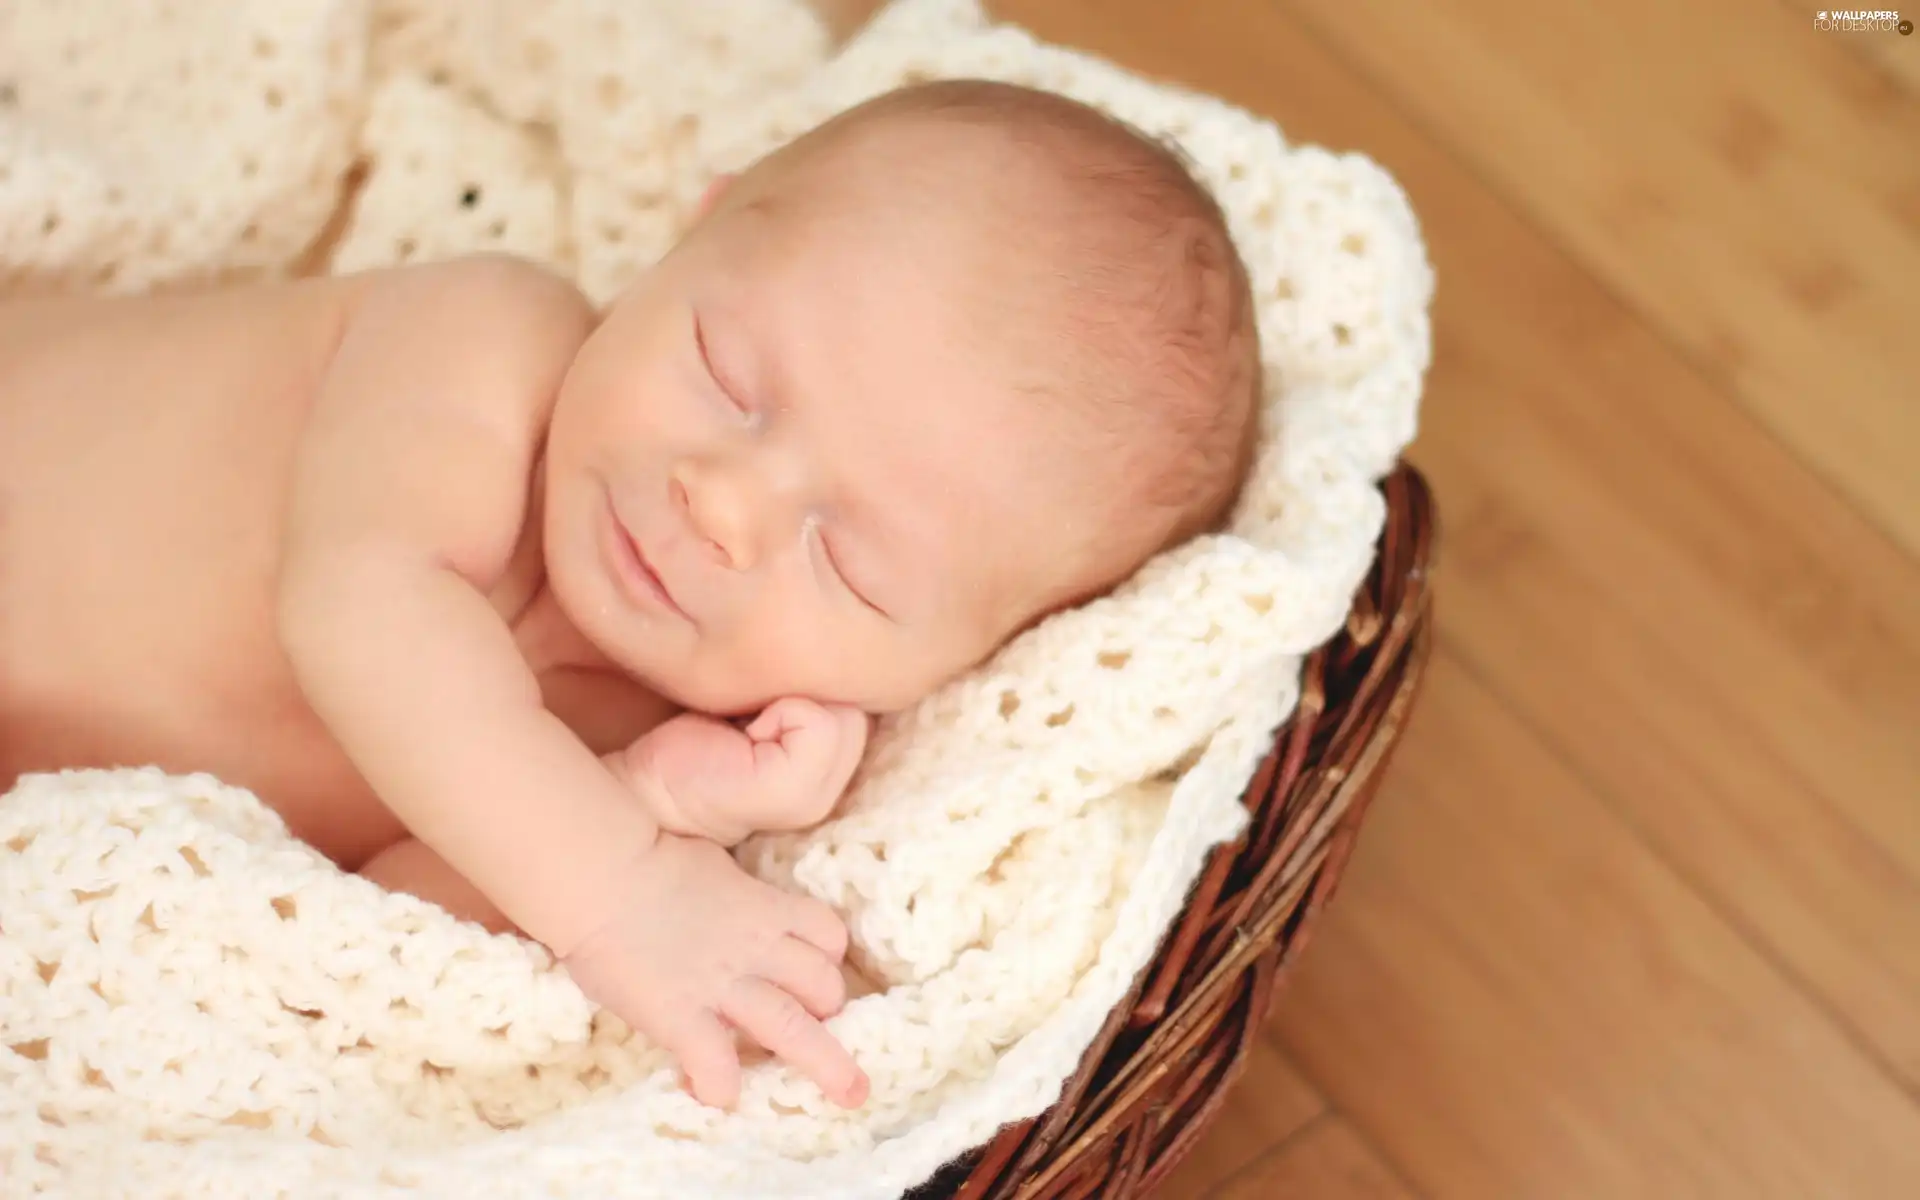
{"x":1161,"y":1068}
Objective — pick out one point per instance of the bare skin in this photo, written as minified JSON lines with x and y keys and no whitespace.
{"x":160,"y":433}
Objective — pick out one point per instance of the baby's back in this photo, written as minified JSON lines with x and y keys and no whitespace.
{"x":145,"y":449}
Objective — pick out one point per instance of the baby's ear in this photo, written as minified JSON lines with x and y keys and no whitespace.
{"x":712,"y":195}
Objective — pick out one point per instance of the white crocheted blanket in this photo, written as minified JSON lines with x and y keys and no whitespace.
{"x":192,"y":1003}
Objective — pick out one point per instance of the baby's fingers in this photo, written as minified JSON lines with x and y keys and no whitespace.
{"x":815,"y":923}
{"x":808,"y":975}
{"x":785,"y":715}
{"x":777,"y":1021}
{"x":708,"y":1057}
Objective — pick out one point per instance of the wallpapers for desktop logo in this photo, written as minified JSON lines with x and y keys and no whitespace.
{"x":1862,"y":20}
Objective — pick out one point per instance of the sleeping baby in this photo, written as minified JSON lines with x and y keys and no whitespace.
{"x":532,"y":610}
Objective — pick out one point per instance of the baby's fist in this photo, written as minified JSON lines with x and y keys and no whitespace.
{"x":709,"y":778}
{"x":805,"y":754}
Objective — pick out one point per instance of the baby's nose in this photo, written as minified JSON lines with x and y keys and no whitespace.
{"x":713,"y":519}
{"x":730,"y":511}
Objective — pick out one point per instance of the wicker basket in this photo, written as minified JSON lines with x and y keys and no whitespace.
{"x":1160,"y":1069}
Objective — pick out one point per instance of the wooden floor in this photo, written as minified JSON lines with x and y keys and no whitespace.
{"x":1638,"y":914}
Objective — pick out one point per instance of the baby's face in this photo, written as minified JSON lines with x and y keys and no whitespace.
{"x":778,"y":469}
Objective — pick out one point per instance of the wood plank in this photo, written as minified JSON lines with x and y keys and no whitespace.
{"x":1514,"y":998}
{"x":1757,"y":199}
{"x":1269,"y":1105}
{"x":1650,"y":731}
{"x":1330,"y":1161}
{"x":1729,"y":651}
{"x":1897,"y":55}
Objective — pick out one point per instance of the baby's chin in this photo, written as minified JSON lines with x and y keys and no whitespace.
{"x":721,"y":696}
{"x":717,"y":694}
{"x":700,"y":693}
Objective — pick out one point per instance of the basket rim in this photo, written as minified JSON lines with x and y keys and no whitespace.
{"x":1162,"y":1065}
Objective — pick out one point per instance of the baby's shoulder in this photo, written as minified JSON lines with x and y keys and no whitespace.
{"x":445,"y":375}
{"x":489,"y":329}
{"x":496,"y":303}
{"x":486,"y":276}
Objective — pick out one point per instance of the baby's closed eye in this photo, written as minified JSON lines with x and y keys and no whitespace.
{"x":836,"y":568}
{"x":730,"y":392}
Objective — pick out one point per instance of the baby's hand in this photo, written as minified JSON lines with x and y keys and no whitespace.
{"x":696,"y":945}
{"x":804,"y":754}
{"x":785,"y":770}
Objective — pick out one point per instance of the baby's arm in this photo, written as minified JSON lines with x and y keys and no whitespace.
{"x":409,"y":493}
{"x":704,"y":777}
{"x":410,"y":490}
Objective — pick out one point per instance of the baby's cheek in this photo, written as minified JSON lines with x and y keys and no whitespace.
{"x":790,"y":636}
{"x":913,"y":667}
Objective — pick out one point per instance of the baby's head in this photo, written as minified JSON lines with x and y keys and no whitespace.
{"x":959,"y":358}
